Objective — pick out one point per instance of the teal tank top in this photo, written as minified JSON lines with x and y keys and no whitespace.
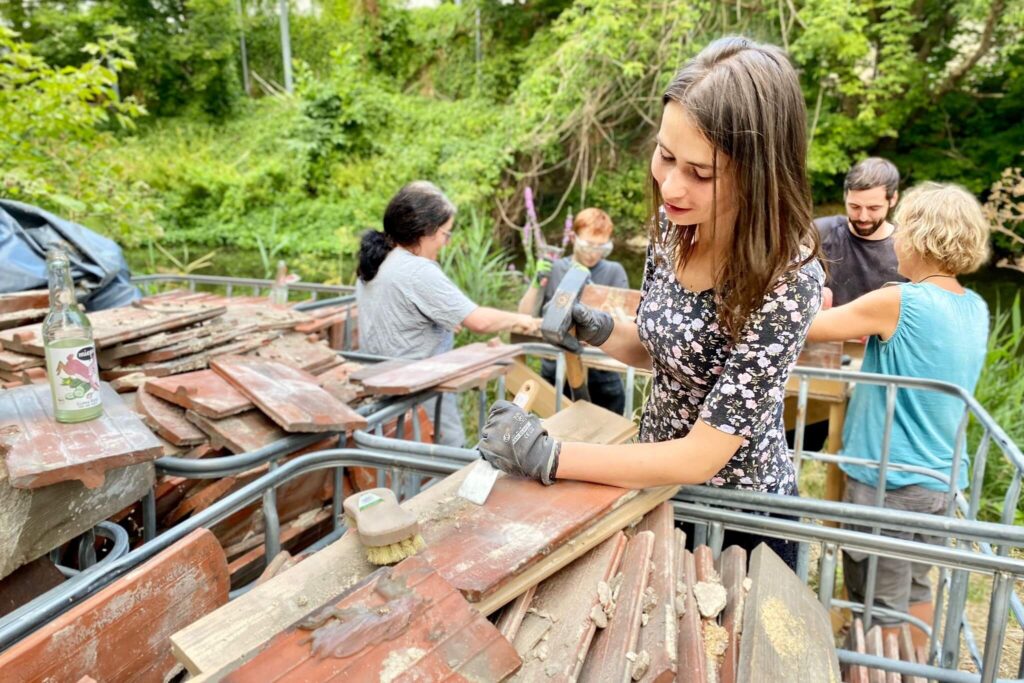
{"x":940,"y":335}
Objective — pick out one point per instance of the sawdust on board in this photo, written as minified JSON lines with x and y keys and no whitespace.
{"x":398,"y":663}
{"x":785,"y":632}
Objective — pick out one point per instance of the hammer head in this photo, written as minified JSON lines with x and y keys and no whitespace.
{"x":558,"y":315}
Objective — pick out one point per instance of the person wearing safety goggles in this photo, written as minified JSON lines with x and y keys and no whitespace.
{"x":591,"y":244}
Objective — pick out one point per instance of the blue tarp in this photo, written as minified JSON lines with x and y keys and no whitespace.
{"x":97,"y":263}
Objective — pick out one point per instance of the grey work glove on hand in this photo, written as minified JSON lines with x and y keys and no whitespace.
{"x":514,"y":441}
{"x":592,"y":326}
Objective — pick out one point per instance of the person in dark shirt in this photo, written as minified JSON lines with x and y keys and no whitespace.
{"x":858,"y":246}
{"x":592,"y":242}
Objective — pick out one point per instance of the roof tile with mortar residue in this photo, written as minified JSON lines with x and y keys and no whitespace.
{"x":398,"y":622}
{"x":167,"y":420}
{"x":609,"y":657}
{"x":658,"y":636}
{"x":204,"y":392}
{"x":240,"y":433}
{"x":692,"y":664}
{"x":435,"y":370}
{"x":40,"y":451}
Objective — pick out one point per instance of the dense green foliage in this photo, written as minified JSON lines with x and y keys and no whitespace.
{"x":564,"y":98}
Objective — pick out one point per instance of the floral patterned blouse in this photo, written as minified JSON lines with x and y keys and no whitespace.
{"x":699,"y":373}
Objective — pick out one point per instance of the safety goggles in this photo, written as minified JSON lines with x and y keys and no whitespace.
{"x":602,"y":248}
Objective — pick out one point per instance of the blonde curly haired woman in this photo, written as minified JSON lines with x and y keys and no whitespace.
{"x":931,"y":327}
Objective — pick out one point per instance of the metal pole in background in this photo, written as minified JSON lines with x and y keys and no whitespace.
{"x":286,"y":46}
{"x":244,"y":53}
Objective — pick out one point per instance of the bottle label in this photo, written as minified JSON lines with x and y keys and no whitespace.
{"x":74,"y":377}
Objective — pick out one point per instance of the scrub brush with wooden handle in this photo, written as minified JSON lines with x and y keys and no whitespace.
{"x":389,"y":533}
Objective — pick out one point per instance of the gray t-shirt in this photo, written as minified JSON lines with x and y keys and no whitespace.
{"x":604,"y":272}
{"x":856,"y":266}
{"x":410,"y":310}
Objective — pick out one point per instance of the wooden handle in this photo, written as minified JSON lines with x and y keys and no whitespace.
{"x":574,"y":371}
{"x":526,"y":395}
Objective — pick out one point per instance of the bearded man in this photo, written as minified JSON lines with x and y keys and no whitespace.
{"x":858,"y":245}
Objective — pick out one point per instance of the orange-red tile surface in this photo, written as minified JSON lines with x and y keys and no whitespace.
{"x":692,"y":664}
{"x":167,"y":420}
{"x":607,"y":660}
{"x":288,"y":396}
{"x":40,"y":451}
{"x":123,"y":632}
{"x":204,"y":392}
{"x":416,"y":627}
{"x":434,"y":370}
{"x":732,"y":565}
{"x":479,"y":548}
{"x":239,"y":433}
{"x":658,"y":637}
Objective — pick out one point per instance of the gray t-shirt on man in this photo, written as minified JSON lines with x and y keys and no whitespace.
{"x":856,"y":265}
{"x":410,"y":310}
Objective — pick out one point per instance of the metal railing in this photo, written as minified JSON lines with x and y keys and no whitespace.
{"x":256,"y":286}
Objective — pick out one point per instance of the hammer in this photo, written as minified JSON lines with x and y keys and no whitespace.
{"x":556,"y":328}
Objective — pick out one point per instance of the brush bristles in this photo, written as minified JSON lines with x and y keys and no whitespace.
{"x":396,"y":552}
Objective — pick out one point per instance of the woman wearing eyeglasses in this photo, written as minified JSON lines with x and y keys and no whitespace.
{"x":592,"y":242}
{"x":730,"y":287}
{"x":408,"y":308}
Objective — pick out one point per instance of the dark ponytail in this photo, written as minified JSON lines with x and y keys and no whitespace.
{"x":416,"y":211}
{"x":373,"y":249}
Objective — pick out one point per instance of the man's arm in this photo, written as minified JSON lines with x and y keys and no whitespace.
{"x":876,"y":312}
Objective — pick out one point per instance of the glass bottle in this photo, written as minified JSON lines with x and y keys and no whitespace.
{"x":279,"y":290}
{"x":70,"y":350}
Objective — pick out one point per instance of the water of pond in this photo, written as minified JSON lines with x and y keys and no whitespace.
{"x":998,"y":286}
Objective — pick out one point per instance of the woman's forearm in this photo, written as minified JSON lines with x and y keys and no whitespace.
{"x":624,"y":346}
{"x":694,"y":459}
{"x":486,"y":320}
{"x":528,"y":304}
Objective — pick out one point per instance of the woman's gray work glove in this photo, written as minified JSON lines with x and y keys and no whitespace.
{"x":514,"y":441}
{"x":592,"y":326}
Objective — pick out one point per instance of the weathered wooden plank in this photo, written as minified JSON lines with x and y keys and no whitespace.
{"x":121,"y":633}
{"x":564,"y":616}
{"x":167,"y":420}
{"x":613,"y":655}
{"x":584,"y":421}
{"x":113,"y":326}
{"x":658,"y":637}
{"x":203,"y":392}
{"x":786,"y":631}
{"x":432,"y":371}
{"x":418,"y":626}
{"x":238,"y":433}
{"x":544,"y":403}
{"x":733,"y":568}
{"x":34,"y":521}
{"x":290,"y":397}
{"x":40,"y":451}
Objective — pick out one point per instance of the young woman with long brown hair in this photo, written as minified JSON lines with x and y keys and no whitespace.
{"x":730,"y":286}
